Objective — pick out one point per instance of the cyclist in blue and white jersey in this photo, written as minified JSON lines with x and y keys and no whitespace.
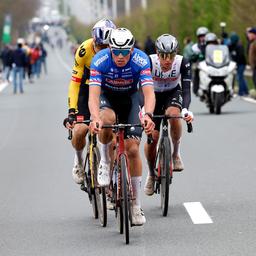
{"x":115,"y":77}
{"x":172,"y":81}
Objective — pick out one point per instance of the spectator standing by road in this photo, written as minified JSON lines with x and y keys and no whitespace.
{"x":43,"y":58}
{"x":252,"y":53}
{"x":18,"y":65}
{"x":149,"y":47}
{"x":237,"y":54}
{"x":7,"y":56}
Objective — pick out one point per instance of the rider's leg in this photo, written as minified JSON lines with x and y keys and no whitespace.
{"x":150,"y":152}
{"x":176,"y":132}
{"x":78,"y":142}
{"x":107,"y":116}
{"x":132,"y":149}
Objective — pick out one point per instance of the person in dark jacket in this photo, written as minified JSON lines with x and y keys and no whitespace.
{"x":237,"y":54}
{"x":149,"y":46}
{"x":18,"y":65}
{"x":6,"y":56}
{"x":252,"y":53}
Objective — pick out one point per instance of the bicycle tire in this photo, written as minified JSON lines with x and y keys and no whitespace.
{"x":165,"y":160}
{"x":125,"y":198}
{"x":90,"y":190}
{"x":120,"y":219}
{"x":100,"y":192}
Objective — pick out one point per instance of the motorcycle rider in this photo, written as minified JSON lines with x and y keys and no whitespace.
{"x":211,"y":38}
{"x":198,"y":54}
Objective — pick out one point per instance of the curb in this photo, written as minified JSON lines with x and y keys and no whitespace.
{"x":249,"y":100}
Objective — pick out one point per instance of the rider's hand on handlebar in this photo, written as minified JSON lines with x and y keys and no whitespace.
{"x":187,"y":115}
{"x":148,"y":124}
{"x":95,"y":125}
{"x":70,"y":121}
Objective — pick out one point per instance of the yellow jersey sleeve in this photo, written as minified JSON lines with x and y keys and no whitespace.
{"x":80,"y":72}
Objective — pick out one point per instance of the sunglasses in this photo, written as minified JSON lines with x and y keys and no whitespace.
{"x":167,"y":55}
{"x":124,"y":52}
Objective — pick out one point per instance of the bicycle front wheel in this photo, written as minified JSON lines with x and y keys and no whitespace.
{"x":125,"y":197}
{"x":165,"y":158}
{"x":89,"y":188}
{"x":100,"y":192}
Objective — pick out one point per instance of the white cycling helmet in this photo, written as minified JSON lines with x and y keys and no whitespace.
{"x":202,"y":31}
{"x":166,"y":44}
{"x":101,"y":31}
{"x":121,"y":38}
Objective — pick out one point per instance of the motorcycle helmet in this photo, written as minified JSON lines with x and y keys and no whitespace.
{"x":201,"y":31}
{"x":211,"y":38}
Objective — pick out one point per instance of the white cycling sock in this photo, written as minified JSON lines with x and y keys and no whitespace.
{"x":104,"y":151}
{"x":79,"y":157}
{"x":176,"y":147}
{"x":136,"y":186}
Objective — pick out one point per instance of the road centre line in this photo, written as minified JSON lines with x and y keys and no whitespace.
{"x":197,"y":213}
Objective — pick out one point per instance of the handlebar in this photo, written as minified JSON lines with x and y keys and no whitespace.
{"x":189,"y":125}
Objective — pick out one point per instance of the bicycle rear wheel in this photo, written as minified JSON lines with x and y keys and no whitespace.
{"x":100,"y":192}
{"x":165,"y":158}
{"x":125,"y":197}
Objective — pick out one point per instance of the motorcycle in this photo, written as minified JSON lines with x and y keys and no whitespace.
{"x":216,"y":77}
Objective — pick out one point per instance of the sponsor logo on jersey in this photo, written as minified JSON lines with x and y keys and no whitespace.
{"x":164,"y":79}
{"x":119,"y":81}
{"x":146,"y":72}
{"x":82,"y":51}
{"x":100,"y":60}
{"x":76,"y":79}
{"x":94,"y":72}
{"x":139,"y":60}
{"x":74,"y":72}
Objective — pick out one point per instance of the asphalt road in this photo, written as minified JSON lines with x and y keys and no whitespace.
{"x":43,"y":212}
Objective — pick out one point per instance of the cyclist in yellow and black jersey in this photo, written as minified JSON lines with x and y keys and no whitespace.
{"x":79,"y":90}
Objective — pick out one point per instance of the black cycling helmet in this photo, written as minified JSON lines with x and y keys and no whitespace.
{"x":166,"y":43}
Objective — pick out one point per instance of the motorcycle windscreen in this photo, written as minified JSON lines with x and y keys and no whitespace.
{"x":217,"y":55}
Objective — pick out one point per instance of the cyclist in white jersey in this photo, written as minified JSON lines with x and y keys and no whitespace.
{"x":172,"y":81}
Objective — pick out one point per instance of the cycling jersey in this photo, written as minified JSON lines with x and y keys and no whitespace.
{"x":78,"y":87}
{"x":178,"y":75}
{"x":111,"y":78}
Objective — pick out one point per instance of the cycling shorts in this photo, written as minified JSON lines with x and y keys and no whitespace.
{"x":82,"y":104}
{"x":164,"y":100}
{"x":126,"y":108}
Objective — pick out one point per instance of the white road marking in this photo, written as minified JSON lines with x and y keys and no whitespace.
{"x":63,"y":63}
{"x":197,"y":213}
{"x":3,"y":85}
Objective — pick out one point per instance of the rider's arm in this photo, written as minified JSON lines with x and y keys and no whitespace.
{"x":94,"y":92}
{"x":74,"y":85}
{"x":147,"y":85}
{"x":149,"y":98}
{"x":94,"y":102}
{"x":185,"y":71}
